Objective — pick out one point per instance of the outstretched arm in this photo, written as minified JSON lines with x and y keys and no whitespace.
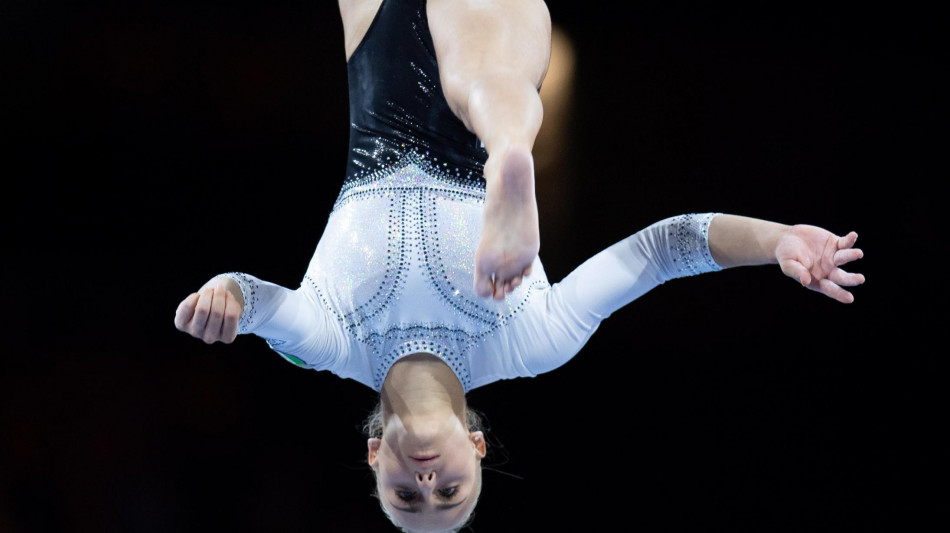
{"x":236,"y":303}
{"x":559,"y":325}
{"x":688,"y":245}
{"x":809,"y":254}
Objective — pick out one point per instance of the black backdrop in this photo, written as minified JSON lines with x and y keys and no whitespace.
{"x":150,"y":145}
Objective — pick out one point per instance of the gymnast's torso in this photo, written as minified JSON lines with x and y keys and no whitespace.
{"x":392,"y":274}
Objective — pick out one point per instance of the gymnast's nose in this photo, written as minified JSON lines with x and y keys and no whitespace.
{"x":425,"y":480}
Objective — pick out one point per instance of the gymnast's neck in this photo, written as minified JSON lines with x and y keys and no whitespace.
{"x":421,"y":386}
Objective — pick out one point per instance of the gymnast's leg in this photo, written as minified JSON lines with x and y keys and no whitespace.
{"x":493,"y":55}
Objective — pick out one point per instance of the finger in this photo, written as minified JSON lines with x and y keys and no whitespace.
{"x":847,"y":241}
{"x":829,"y":288}
{"x":219,"y":301}
{"x":516,"y":282}
{"x":185,"y":311}
{"x":202,"y":310}
{"x":797,"y":271}
{"x":526,"y":272}
{"x":827,"y":258}
{"x":846,"y":279}
{"x":848,"y":255}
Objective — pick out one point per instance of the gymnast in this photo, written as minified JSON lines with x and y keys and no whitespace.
{"x":426,"y":282}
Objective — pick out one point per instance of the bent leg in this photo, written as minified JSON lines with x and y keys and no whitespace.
{"x":493,"y":55}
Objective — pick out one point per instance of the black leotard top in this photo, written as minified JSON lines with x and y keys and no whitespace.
{"x":397,"y":108}
{"x":392,"y":273}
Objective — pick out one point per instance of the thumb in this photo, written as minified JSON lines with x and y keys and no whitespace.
{"x":796,"y":270}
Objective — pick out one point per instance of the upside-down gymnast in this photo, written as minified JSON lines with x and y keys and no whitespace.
{"x":426,"y":282}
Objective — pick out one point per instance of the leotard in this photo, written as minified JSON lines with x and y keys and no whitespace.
{"x":392,"y":273}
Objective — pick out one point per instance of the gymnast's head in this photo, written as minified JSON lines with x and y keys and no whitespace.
{"x":426,"y":459}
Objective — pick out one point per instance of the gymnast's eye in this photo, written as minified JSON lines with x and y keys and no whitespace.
{"x":406,"y":495}
{"x":448,"y":492}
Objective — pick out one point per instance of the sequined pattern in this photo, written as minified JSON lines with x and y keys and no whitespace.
{"x":396,"y":99}
{"x":249,"y":290}
{"x":401,"y":155}
{"x":395,"y":266}
{"x":689,"y":235}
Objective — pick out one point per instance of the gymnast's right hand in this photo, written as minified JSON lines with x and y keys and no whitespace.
{"x":212,"y":313}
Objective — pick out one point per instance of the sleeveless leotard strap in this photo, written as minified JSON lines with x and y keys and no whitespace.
{"x":397,"y":108}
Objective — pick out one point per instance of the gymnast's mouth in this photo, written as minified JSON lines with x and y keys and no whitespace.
{"x":423,"y":459}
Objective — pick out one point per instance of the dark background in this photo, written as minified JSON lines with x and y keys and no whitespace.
{"x":147,"y":146}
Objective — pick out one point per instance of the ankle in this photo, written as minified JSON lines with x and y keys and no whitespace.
{"x":511,"y":160}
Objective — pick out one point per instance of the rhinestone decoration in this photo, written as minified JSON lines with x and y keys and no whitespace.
{"x":396,"y":263}
{"x":689,"y":237}
{"x":249,"y":290}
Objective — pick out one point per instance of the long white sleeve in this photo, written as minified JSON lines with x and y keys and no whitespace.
{"x":559,"y":325}
{"x":555,"y":322}
{"x":290,"y":321}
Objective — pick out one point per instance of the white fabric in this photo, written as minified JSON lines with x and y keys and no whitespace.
{"x":392,"y":275}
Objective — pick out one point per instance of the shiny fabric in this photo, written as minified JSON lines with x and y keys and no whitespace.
{"x":397,"y":108}
{"x":393,"y":271}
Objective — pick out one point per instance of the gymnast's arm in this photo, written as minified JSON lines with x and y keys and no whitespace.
{"x":681,"y":246}
{"x":237,"y":303}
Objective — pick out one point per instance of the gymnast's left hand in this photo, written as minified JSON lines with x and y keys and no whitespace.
{"x":212,"y":313}
{"x":814,"y":256}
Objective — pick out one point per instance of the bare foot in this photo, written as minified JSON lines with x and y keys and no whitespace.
{"x":510,"y":237}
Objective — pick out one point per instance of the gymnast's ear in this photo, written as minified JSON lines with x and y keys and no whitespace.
{"x":372,"y":446}
{"x":478,"y":439}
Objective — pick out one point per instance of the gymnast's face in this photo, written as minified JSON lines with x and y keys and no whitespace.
{"x":428,"y":478}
